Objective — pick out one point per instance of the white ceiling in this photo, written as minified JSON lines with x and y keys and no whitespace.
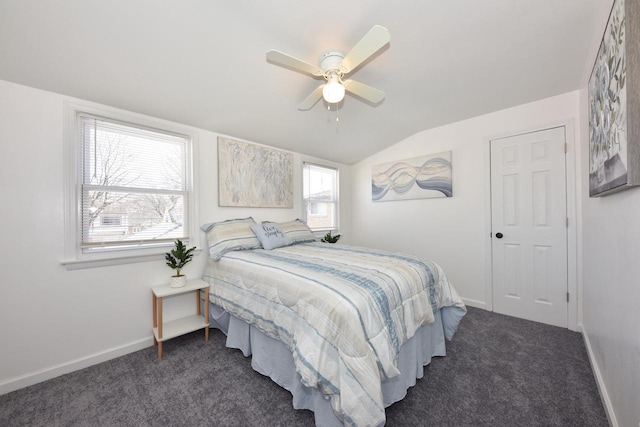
{"x":202,"y":63}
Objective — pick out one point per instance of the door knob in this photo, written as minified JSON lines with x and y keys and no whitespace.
{"x":499,"y":235}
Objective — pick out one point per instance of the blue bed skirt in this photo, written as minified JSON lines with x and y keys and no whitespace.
{"x":271,"y":358}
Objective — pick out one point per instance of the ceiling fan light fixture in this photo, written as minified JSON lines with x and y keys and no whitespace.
{"x":333,"y":91}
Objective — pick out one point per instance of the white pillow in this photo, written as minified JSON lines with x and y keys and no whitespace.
{"x":297,"y":231}
{"x":270,"y":235}
{"x":230,"y":235}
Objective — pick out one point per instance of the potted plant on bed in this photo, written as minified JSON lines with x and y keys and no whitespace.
{"x":177,"y":259}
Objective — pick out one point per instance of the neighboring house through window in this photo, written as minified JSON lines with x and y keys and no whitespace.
{"x":320,"y":193}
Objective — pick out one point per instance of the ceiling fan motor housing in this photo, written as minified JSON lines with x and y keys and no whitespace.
{"x":331,"y":60}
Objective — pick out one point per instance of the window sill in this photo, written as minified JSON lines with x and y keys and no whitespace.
{"x":79,"y":264}
{"x":324,"y":231}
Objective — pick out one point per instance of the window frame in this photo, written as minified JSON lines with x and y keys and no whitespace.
{"x":336,"y":225}
{"x":74,"y":256}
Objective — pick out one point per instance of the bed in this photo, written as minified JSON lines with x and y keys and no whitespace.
{"x":347,"y":330}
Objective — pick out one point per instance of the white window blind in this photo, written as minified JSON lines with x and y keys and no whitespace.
{"x":134,"y":188}
{"x":320,"y":193}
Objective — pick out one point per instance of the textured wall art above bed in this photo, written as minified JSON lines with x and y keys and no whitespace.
{"x":418,"y":178}
{"x":254,"y":176}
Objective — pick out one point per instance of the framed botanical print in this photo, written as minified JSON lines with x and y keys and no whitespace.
{"x":614,"y":128}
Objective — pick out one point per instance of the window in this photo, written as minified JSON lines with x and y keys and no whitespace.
{"x":320,"y":192}
{"x":131,"y":188}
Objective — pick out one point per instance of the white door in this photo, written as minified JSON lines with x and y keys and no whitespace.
{"x":529,"y":226}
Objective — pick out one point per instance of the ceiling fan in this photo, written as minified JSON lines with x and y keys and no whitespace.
{"x":334,"y":66}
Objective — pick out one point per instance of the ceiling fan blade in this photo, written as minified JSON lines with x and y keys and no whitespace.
{"x":312,"y":99}
{"x":289,"y":61}
{"x":372,"y":42}
{"x":364,"y":91}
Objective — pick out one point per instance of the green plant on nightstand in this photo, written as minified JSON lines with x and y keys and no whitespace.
{"x":177,"y":259}
{"x":328,"y":238}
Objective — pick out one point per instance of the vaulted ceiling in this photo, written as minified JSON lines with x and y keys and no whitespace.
{"x":202,"y":63}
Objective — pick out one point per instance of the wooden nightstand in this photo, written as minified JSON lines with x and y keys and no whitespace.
{"x":164,"y":331}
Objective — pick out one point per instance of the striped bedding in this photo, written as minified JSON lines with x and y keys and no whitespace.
{"x":344,"y":312}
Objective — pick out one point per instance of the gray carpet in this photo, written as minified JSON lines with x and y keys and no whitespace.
{"x":499,"y":371}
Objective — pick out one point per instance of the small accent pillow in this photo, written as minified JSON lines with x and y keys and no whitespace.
{"x":297,"y":231}
{"x":270,"y":235}
{"x":230,"y":235}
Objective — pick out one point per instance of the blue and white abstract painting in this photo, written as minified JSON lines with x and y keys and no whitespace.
{"x":418,"y":178}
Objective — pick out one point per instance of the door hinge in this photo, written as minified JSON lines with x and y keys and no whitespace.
{"x":566,"y":221}
{"x":567,"y":296}
{"x":565,"y":147}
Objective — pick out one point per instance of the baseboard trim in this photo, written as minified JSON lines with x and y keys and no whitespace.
{"x":606,"y":401}
{"x":475,"y":303}
{"x":39,"y":376}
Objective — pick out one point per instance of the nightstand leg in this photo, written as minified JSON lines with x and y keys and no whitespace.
{"x":159,"y":328}
{"x":206,"y":313}
{"x":198,"y":302}
{"x":159,"y":318}
{"x":155,"y":316}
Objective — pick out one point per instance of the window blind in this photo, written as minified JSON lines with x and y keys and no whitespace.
{"x":134,"y":187}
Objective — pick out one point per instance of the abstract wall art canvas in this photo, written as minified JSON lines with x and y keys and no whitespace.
{"x":614,"y":155}
{"x":251,"y":175}
{"x":418,"y":178}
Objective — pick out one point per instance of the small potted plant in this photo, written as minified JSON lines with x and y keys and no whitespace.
{"x":177,"y":259}
{"x":328,"y":238}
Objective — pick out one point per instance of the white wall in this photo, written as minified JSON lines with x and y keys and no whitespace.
{"x":54,"y":320}
{"x":611,"y":289}
{"x":610,"y":274}
{"x":454,"y":232}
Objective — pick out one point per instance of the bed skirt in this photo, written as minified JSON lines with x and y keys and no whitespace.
{"x":271,"y":357}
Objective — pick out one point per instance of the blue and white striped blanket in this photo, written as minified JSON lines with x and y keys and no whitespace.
{"x":343,"y":311}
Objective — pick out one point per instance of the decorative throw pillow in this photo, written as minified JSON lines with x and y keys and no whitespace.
{"x":270,"y":235}
{"x":230,"y":235}
{"x":297,"y":231}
